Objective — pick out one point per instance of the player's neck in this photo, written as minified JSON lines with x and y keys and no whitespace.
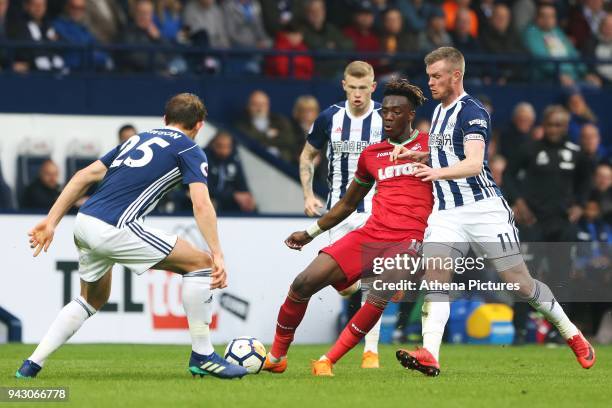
{"x":181,"y":129}
{"x":407,"y":136}
{"x":357,"y":112}
{"x":446,"y":102}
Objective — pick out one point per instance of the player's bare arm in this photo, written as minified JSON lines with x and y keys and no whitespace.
{"x":468,"y":167}
{"x":41,"y":235}
{"x":311,"y":203}
{"x":206,"y":219}
{"x":338,"y":213}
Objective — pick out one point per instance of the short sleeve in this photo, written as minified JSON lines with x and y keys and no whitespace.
{"x":319,"y":132}
{"x":362,"y":175}
{"x":109,"y":157}
{"x":475,"y":123}
{"x":193,"y":165}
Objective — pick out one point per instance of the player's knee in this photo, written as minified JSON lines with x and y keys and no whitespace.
{"x":303,"y":285}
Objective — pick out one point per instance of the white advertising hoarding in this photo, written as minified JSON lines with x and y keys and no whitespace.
{"x":147,"y":308}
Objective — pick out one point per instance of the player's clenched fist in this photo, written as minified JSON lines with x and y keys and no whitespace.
{"x":297,"y":240}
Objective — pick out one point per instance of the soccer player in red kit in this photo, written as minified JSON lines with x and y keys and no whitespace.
{"x":400,"y":210}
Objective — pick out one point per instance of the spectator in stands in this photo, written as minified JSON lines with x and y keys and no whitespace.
{"x":585,"y":16}
{"x":3,"y":9}
{"x":277,"y":13}
{"x":435,"y":35}
{"x":462,"y":36}
{"x":125,"y":132}
{"x":602,"y":192}
{"x":394,"y":39}
{"x":451,"y":10}
{"x":361,"y":31}
{"x":105,"y":19}
{"x":580,"y":114}
{"x":226,"y":181}
{"x":143,"y":31}
{"x":498,"y":37}
{"x":290,"y":38}
{"x":417,"y":13}
{"x":305,"y":111}
{"x":545,"y":39}
{"x":71,"y":28}
{"x":518,"y":132}
{"x":590,"y":143}
{"x":484,"y":12}
{"x":34,"y":27}
{"x":271,"y":130}
{"x":206,"y":16}
{"x":324,"y":36}
{"x":168,"y":20}
{"x":42,"y":192}
{"x":601,"y":47}
{"x":244,"y":23}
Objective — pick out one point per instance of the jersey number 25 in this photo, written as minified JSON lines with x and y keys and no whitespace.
{"x":145,"y":148}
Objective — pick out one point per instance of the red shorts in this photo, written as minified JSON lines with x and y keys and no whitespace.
{"x":355,"y":252}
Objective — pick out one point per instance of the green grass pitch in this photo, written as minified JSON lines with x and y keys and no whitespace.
{"x":472,"y":376}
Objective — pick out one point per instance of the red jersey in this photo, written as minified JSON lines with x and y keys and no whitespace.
{"x":402,"y":202}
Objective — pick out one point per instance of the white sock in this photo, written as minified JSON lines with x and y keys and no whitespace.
{"x":371,"y":339}
{"x":434,"y":315}
{"x":68,"y":321}
{"x":543,"y":301}
{"x":197,"y":301}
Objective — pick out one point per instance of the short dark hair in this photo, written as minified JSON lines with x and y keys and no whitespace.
{"x":185,"y":109}
{"x":402,"y":87}
{"x":125,"y":127}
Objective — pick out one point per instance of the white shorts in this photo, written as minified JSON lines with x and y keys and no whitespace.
{"x":486,"y":226}
{"x":351,"y":223}
{"x":102,"y":245}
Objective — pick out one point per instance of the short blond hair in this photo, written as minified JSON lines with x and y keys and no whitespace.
{"x":359,"y":69}
{"x":449,"y":54}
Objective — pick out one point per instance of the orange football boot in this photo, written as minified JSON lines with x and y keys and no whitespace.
{"x":420,"y":359}
{"x":322,"y":368}
{"x":585,"y":353}
{"x":370,"y":360}
{"x":273,"y":367}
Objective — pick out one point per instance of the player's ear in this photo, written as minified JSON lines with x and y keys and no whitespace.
{"x":165,"y":121}
{"x":199,"y":125}
{"x":344,"y":84}
{"x":374,"y":86}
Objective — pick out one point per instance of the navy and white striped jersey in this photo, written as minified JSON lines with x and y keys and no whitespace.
{"x":465,"y":119}
{"x":346,"y":137}
{"x":141,"y":171}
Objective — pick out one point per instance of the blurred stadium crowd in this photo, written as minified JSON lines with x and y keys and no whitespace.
{"x":76,"y":35}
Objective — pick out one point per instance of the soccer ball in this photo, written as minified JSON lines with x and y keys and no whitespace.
{"x":247,"y":352}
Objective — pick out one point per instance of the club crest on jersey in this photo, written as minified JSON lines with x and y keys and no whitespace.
{"x":405,"y":169}
{"x":349,"y":146}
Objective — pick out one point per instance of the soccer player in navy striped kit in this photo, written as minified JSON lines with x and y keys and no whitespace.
{"x":469,"y":212}
{"x":347,"y":128}
{"x":110,"y":229}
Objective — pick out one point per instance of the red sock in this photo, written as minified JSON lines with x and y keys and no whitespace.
{"x":289,"y":318}
{"x":355,"y":330}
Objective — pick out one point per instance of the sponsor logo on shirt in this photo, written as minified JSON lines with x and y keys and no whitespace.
{"x":349,"y":146}
{"x":478,"y":122}
{"x":395,"y":171}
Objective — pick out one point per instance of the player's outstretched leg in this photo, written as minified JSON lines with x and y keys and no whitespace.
{"x":195,"y":266}
{"x":69,"y":320}
{"x":321,"y":272}
{"x":541,"y":298}
{"x":356,"y":329}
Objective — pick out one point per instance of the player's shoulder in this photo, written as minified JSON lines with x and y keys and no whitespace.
{"x":331,"y":110}
{"x":421,"y":142}
{"x":472,"y":106}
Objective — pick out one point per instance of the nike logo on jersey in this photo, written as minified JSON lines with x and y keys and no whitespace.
{"x":395,"y":171}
